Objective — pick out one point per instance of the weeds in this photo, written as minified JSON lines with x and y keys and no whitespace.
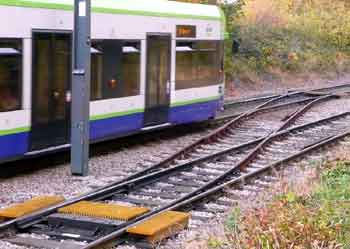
{"x":233,"y":220}
{"x":215,"y":243}
{"x":318,"y":220}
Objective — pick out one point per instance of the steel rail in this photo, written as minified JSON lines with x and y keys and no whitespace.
{"x":250,"y":100}
{"x":267,"y":96}
{"x":236,"y":119}
{"x":269,"y":108}
{"x":329,"y":88}
{"x":263,"y":106}
{"x":104,"y":192}
{"x":28,"y":219}
{"x":209,"y":185}
{"x":243,"y":179}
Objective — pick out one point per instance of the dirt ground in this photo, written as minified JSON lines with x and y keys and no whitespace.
{"x":250,"y":88}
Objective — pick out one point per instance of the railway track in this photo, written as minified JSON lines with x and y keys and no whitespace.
{"x":341,"y":88}
{"x":246,"y":126}
{"x":239,"y":167}
{"x":232,"y":110}
{"x":236,"y":107}
{"x":172,"y":187}
{"x":239,"y":129}
{"x":257,"y":174}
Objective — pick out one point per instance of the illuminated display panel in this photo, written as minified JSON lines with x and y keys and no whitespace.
{"x":185,"y":31}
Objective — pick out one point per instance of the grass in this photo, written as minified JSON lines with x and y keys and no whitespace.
{"x":320,"y":219}
{"x":289,"y":36}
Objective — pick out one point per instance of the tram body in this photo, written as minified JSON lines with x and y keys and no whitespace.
{"x":153,"y":63}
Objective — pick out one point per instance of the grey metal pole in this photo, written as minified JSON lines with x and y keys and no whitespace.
{"x":80,"y":88}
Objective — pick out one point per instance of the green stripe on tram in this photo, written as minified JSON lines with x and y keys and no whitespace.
{"x":101,"y":9}
{"x":14,"y":131}
{"x":151,"y":13}
{"x":194,"y":101}
{"x":116,"y":114}
{"x":140,"y":110}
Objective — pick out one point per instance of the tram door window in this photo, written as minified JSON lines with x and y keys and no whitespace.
{"x":51,"y":89}
{"x":115,"y":69}
{"x":10,"y":74}
{"x":158,"y":79}
{"x":96,"y":74}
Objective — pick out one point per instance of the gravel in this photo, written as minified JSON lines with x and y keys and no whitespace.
{"x":112,"y":167}
{"x":5,"y":245}
{"x":103,"y":170}
{"x":298,"y":176}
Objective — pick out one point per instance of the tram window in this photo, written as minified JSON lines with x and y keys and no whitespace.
{"x":198,"y":64}
{"x":131,"y":68}
{"x":10,"y":74}
{"x":96,"y":74}
{"x":115,"y":69}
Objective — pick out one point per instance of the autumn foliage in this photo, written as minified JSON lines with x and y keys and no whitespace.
{"x":296,"y":36}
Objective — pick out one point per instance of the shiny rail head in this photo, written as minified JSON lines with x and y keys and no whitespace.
{"x":103,"y":210}
{"x":160,"y":226}
{"x":29,"y":206}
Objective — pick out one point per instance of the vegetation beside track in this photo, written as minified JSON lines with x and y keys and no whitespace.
{"x":318,"y":219}
{"x":287,"y":37}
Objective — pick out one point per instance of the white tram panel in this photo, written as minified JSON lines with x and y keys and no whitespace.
{"x":14,"y":120}
{"x":22,"y":21}
{"x":193,"y":94}
{"x":116,"y":105}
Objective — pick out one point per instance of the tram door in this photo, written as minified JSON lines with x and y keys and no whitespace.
{"x":158,"y":79}
{"x":51,"y":89}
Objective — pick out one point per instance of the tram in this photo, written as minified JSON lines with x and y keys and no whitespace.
{"x":153,"y":64}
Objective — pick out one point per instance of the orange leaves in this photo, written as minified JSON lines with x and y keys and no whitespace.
{"x":292,"y":56}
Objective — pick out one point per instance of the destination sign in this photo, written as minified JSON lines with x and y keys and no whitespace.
{"x":187,"y":31}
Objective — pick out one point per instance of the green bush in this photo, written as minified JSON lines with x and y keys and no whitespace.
{"x":289,"y":36}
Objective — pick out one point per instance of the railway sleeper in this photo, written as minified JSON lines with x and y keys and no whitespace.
{"x":139,"y":201}
{"x":205,"y":171}
{"x":163,"y":195}
{"x":220,"y":166}
{"x":216,"y":208}
{"x":224,"y":201}
{"x":262,"y":183}
{"x":183,"y":183}
{"x":197,"y":177}
{"x":43,"y":243}
{"x":252,"y":188}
